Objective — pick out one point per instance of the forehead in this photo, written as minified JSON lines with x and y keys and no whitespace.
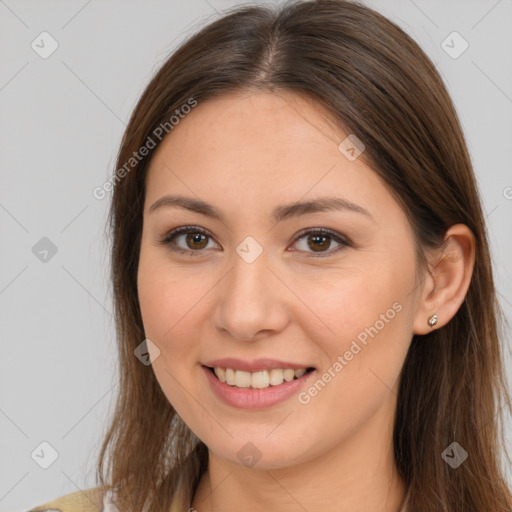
{"x":255,"y":149}
{"x":239,"y":120}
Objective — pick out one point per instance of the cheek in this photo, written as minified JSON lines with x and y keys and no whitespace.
{"x":164,"y":297}
{"x":169,"y":318}
{"x":362,"y":365}
{"x":154,"y":303}
{"x":174,"y":310}
{"x":354,"y":304}
{"x":365,"y":331}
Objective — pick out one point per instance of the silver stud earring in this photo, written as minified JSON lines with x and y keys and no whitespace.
{"x":432,"y":320}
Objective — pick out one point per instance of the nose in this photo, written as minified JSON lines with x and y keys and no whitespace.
{"x":250,"y":302}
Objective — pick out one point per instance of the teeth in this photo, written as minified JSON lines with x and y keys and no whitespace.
{"x":258,"y":380}
{"x":242,"y":379}
{"x":221,"y":374}
{"x":230,"y":376}
{"x":288,"y":374}
{"x":299,"y":373}
{"x":276,"y":377}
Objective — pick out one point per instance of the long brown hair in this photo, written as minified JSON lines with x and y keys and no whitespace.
{"x":379,"y":85}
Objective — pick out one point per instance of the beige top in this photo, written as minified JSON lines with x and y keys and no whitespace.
{"x":95,"y":499}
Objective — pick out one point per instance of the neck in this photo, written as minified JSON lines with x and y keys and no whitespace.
{"x":357,"y":474}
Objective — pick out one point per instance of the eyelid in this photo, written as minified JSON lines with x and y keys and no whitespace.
{"x":181,"y":230}
{"x":337,"y":237}
{"x":334,"y":235}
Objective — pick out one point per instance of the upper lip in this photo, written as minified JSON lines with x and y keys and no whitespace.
{"x":253,"y":366}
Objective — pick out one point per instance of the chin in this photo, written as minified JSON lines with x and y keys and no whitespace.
{"x":260,"y":452}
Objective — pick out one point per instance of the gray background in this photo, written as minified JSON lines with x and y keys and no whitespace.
{"x":63,"y":119}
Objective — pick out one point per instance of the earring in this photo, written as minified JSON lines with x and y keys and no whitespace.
{"x":432,"y":320}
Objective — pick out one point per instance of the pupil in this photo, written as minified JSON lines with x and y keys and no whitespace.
{"x":196,"y":238}
{"x":316,"y":239}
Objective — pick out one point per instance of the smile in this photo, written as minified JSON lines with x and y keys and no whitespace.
{"x":260,"y":379}
{"x":256,"y":384}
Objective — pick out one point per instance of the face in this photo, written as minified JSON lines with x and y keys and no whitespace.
{"x":258,"y":289}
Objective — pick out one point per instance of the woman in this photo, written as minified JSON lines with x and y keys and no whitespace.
{"x":301,"y":270}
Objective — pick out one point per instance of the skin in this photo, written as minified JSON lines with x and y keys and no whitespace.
{"x":246,"y":153}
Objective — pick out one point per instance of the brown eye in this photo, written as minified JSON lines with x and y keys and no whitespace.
{"x":187,"y":239}
{"x":320,"y":241}
{"x":196,"y":241}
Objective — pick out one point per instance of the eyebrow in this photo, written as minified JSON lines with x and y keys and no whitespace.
{"x":279,"y":213}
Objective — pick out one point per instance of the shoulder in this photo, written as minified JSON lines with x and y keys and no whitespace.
{"x":94,"y":499}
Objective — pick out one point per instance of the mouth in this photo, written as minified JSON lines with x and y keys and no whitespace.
{"x":262,"y":379}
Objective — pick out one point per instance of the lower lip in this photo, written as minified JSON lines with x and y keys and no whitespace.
{"x":251,"y":398}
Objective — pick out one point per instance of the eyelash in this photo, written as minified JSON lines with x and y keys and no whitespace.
{"x":167,"y":241}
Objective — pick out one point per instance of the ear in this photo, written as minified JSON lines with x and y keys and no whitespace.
{"x":445,"y":288}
